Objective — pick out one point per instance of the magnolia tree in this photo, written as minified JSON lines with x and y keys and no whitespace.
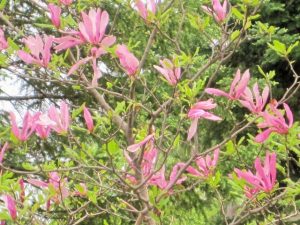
{"x":134,"y":116}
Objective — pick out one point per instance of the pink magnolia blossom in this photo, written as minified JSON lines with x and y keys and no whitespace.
{"x":55,"y":12}
{"x":149,"y":160}
{"x":58,"y":184}
{"x":10,"y":204}
{"x":135,"y":147}
{"x":199,"y":111}
{"x":3,"y":42}
{"x":3,"y":149}
{"x":29,"y":124}
{"x":257,"y":103}
{"x":88,"y":119}
{"x":250,"y":192}
{"x":265,"y":177}
{"x":95,"y":53}
{"x":237,"y":88}
{"x":128,"y":61}
{"x":43,"y":128}
{"x":147,"y":165}
{"x":94,"y":25}
{"x":60,"y":117}
{"x":206,"y":165}
{"x":74,"y":38}
{"x":169,"y":71}
{"x":39,"y":50}
{"x":145,"y":9}
{"x":275,"y":121}
{"x":66,"y":2}
{"x":91,"y":30}
{"x":218,"y":11}
{"x":160,"y":181}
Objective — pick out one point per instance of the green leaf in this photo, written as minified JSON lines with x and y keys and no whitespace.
{"x":43,"y":25}
{"x":113,"y":147}
{"x":271,"y":74}
{"x":215,"y":180}
{"x":4,"y":215}
{"x":3,"y":60}
{"x":78,"y":111}
{"x":121,"y":107}
{"x":261,"y":71}
{"x":92,"y":196}
{"x":12,"y":44}
{"x":291,"y":47}
{"x":230,"y":149}
{"x":3,"y":4}
{"x":237,"y":14}
{"x":279,"y":48}
{"x":251,"y":2}
{"x":76,"y":87}
{"x":27,"y":166}
{"x":79,"y":188}
{"x":234,"y":35}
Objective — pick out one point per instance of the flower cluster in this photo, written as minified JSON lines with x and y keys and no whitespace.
{"x":263,"y":180}
{"x":56,"y":119}
{"x":206,"y":165}
{"x":149,"y":161}
{"x":255,"y":102}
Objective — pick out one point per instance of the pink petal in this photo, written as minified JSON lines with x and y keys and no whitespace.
{"x":192,"y":129}
{"x":88,"y":119}
{"x":108,"y":41}
{"x":97,"y":73}
{"x":86,"y":28}
{"x":235,"y":82}
{"x":151,"y":5}
{"x":38,"y":183}
{"x":193,"y":171}
{"x":205,"y":105}
{"x":272,"y":163}
{"x":46,"y":50}
{"x":141,"y":9}
{"x":217,"y":92}
{"x":289,"y":114}
{"x":4,"y":148}
{"x":174,"y":173}
{"x":10,"y":204}
{"x":78,"y":64}
{"x":247,"y":105}
{"x":27,"y":58}
{"x":265,"y":95}
{"x":103,"y":23}
{"x":260,"y":138}
{"x":65,"y":116}
{"x":261,"y":174}
{"x":55,"y":12}
{"x":14,"y":126}
{"x":135,"y":147}
{"x":216,"y":157}
{"x":210,"y":116}
{"x":240,"y":88}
